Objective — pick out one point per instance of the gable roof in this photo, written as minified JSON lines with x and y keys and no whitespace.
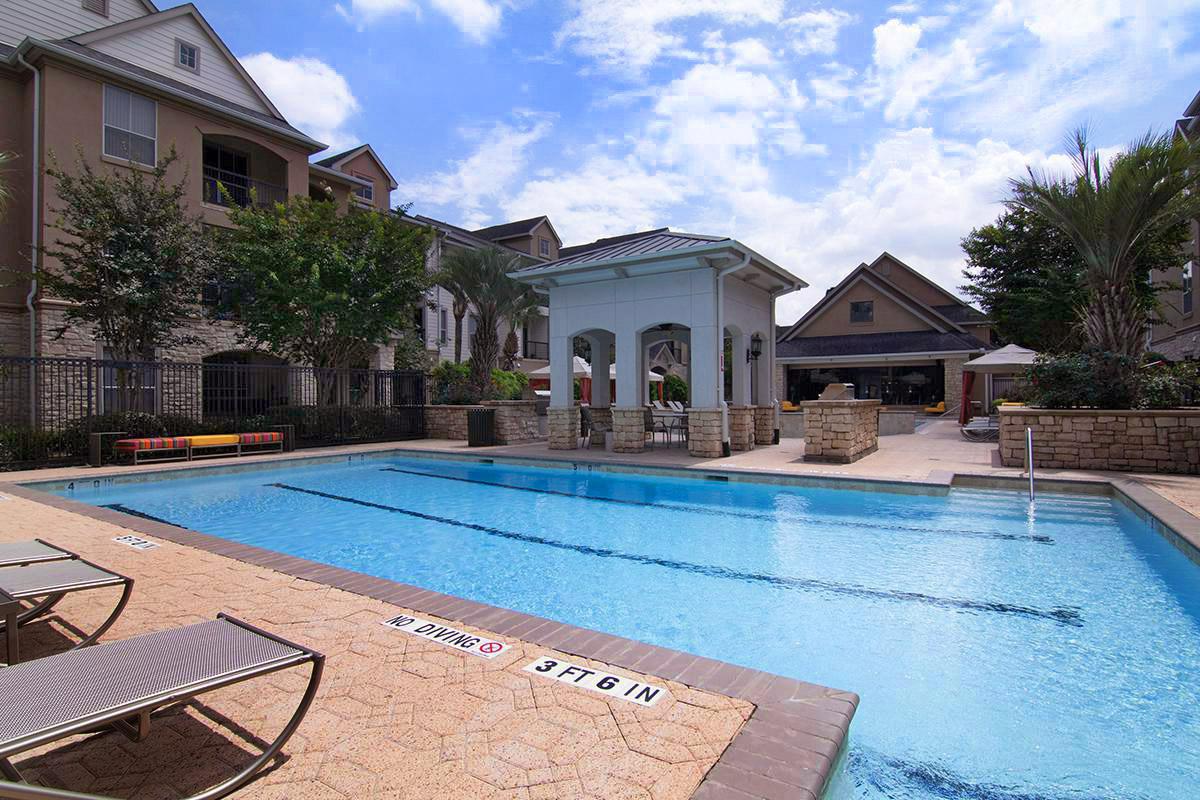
{"x":576,"y":249}
{"x":941,"y":317}
{"x":186,"y":10}
{"x":514,"y":230}
{"x":464,"y":237}
{"x":102,"y":62}
{"x":338,"y":159}
{"x":885,"y":255}
{"x":662,"y":241}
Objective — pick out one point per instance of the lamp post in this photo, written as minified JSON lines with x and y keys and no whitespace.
{"x":755,"y":350}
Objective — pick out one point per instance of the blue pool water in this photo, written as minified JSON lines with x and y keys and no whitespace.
{"x":1002,"y":652}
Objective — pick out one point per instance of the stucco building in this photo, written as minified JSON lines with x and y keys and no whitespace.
{"x":890,"y":331}
{"x":1177,"y":335}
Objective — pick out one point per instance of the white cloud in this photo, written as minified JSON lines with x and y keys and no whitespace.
{"x":479,"y":20}
{"x":817,"y":31}
{"x":482,"y":178}
{"x":627,"y":36}
{"x":312,"y":95}
{"x":895,"y":43}
{"x":904,"y":8}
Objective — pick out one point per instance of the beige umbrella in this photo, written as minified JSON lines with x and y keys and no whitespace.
{"x":1008,"y":360}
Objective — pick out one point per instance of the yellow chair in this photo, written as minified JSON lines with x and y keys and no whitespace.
{"x":940,"y":408}
{"x":788,"y":405}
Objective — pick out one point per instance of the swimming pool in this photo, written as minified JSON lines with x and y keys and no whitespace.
{"x":1002,"y":651}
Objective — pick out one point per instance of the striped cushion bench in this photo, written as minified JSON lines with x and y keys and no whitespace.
{"x":164,"y":443}
{"x":261,"y":438}
{"x":174,"y":448}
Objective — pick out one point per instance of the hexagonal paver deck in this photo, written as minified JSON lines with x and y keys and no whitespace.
{"x":396,"y":717}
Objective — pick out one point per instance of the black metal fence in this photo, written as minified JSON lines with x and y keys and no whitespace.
{"x":50,"y":406}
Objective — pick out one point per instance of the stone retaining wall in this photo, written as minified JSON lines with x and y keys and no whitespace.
{"x":840,"y":431}
{"x":516,"y":421}
{"x":1126,"y":440}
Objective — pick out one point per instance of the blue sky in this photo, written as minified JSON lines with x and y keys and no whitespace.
{"x":819,"y":134}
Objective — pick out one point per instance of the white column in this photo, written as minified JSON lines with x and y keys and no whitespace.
{"x":629,"y":389}
{"x":741,"y":370}
{"x":601,"y":361}
{"x":562,"y":377}
{"x":706,"y":367}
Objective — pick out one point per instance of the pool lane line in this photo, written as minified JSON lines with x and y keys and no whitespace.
{"x":1062,"y":615}
{"x":133,"y":512}
{"x":713,"y":512}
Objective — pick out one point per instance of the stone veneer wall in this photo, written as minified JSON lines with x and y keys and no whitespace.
{"x":564,"y":427}
{"x":952,"y":381}
{"x":516,"y":421}
{"x":840,"y":431}
{"x":764,"y":425}
{"x":1130,"y":440}
{"x":705,"y":436}
{"x":741,"y":428}
{"x":629,"y":429}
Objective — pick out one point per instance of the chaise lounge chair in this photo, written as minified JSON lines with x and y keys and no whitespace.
{"x":120,"y":684}
{"x":981,"y":429}
{"x":45,"y":584}
{"x":34,"y":551}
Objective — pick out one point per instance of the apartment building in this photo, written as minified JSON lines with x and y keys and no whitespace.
{"x":1177,"y":334}
{"x":120,"y":83}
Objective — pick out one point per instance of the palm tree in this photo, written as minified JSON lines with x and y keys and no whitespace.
{"x":5,"y":189}
{"x":457,"y":272}
{"x":482,"y":278}
{"x":1110,"y":215}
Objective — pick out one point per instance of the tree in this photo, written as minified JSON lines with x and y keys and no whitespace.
{"x":455,"y":275}
{"x":1029,"y":278}
{"x":130,"y":261}
{"x":321,"y":286}
{"x":482,"y":277}
{"x":1110,"y":215}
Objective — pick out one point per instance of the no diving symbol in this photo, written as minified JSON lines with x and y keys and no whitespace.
{"x":490,"y":647}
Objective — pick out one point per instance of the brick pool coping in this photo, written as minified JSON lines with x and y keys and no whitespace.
{"x":789,"y":748}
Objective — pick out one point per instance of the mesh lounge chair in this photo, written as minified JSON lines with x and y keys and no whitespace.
{"x":981,"y":429}
{"x":18,"y":554}
{"x":122,"y":683}
{"x":51,"y":581}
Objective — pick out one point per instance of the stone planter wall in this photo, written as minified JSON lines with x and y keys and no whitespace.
{"x":516,"y":421}
{"x":564,"y":427}
{"x":840,"y":431}
{"x":704,"y":433}
{"x":629,"y":429}
{"x":741,"y":428}
{"x":764,"y":425}
{"x":446,"y":422}
{"x":1124,"y":440}
{"x":791,"y":424}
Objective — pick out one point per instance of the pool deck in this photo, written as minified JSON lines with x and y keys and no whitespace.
{"x":401,"y":717}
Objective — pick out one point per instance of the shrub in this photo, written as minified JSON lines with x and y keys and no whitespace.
{"x":509,"y":385}
{"x":451,"y":384}
{"x":1091,"y":379}
{"x":675,"y":388}
{"x":1169,"y":385}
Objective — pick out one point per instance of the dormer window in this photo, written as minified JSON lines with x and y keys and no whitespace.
{"x":96,"y":7}
{"x":187,"y":56}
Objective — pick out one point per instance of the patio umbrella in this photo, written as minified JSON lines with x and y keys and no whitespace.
{"x":1008,"y":360}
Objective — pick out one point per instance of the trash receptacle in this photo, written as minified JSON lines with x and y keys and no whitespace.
{"x":481,"y":427}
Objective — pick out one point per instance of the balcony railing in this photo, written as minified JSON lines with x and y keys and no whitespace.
{"x":538,"y":350}
{"x":240,"y":188}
